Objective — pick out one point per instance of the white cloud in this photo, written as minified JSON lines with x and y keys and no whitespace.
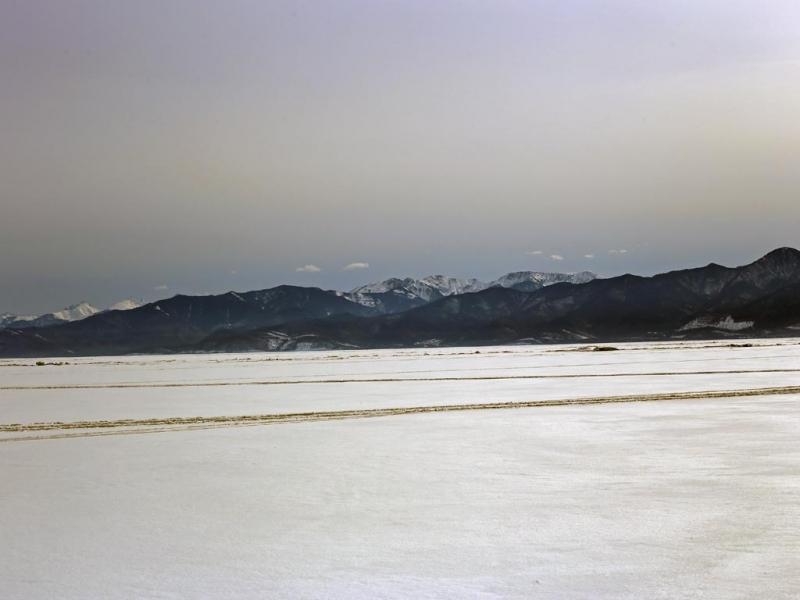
{"x":353,"y":266}
{"x":556,"y":257}
{"x":161,"y":288}
{"x":233,"y":272}
{"x":534,"y":252}
{"x":308,"y":269}
{"x":588,"y":256}
{"x":617,"y":251}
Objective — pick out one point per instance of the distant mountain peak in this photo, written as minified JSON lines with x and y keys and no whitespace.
{"x":82,"y":305}
{"x":781,"y":255}
{"x":428,"y":288}
{"x":782,"y":264}
{"x":529,"y":281}
{"x":785,"y":250}
{"x":76,"y":312}
{"x":437,"y":286}
{"x":128,"y":304}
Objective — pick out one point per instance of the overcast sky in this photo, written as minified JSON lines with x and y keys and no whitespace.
{"x":190,"y":146}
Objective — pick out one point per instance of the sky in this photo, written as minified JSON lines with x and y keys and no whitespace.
{"x":194,"y":146}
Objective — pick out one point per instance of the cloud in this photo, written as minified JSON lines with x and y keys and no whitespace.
{"x":353,"y":266}
{"x":534,"y":252}
{"x":161,"y":288}
{"x":233,"y":272}
{"x":308,"y":269}
{"x":556,"y":257}
{"x":588,"y":256}
{"x":617,"y":251}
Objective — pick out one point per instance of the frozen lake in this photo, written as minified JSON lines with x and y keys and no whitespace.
{"x":693,"y":494}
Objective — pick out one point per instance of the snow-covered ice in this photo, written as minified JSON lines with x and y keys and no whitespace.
{"x":691,"y":498}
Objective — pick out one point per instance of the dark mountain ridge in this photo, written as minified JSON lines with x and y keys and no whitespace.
{"x":713,"y":301}
{"x":758,"y":299}
{"x":182,"y":320}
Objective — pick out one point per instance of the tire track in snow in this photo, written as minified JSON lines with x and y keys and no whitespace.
{"x":140,"y":426}
{"x":148,"y":385}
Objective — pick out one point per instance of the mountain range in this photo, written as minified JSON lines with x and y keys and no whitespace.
{"x":438,"y":286}
{"x":184,"y":320}
{"x":758,"y":299}
{"x":388,"y":296}
{"x":76,"y":312}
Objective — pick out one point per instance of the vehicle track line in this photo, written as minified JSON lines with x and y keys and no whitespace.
{"x":149,"y":385}
{"x":193,"y":423}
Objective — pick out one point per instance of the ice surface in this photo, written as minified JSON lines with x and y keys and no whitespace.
{"x":210,"y":385}
{"x":668,"y":499}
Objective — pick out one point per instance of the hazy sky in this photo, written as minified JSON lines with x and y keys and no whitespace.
{"x":202,"y":146}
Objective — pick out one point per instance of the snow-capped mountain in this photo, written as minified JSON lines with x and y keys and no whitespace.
{"x":384,"y":297}
{"x":439,"y":286}
{"x":529,"y":281}
{"x":129,"y":304}
{"x":428,"y":288}
{"x":396,"y":300}
{"x":76,"y":312}
{"x":6,"y":319}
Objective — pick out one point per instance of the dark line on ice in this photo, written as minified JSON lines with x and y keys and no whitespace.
{"x":139,"y":426}
{"x":383,"y":380}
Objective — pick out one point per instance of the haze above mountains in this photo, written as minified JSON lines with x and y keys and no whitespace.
{"x":205,"y":146}
{"x":758,"y":299}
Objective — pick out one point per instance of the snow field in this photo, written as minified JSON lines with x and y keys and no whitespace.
{"x":668,"y":499}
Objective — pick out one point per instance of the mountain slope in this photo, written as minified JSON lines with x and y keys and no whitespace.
{"x":129,"y":304}
{"x":435,"y":287}
{"x":626,"y":307}
{"x":183,"y":320}
{"x":76,"y":312}
{"x":8,"y":319}
{"x":530,"y":281}
{"x":427,"y":289}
